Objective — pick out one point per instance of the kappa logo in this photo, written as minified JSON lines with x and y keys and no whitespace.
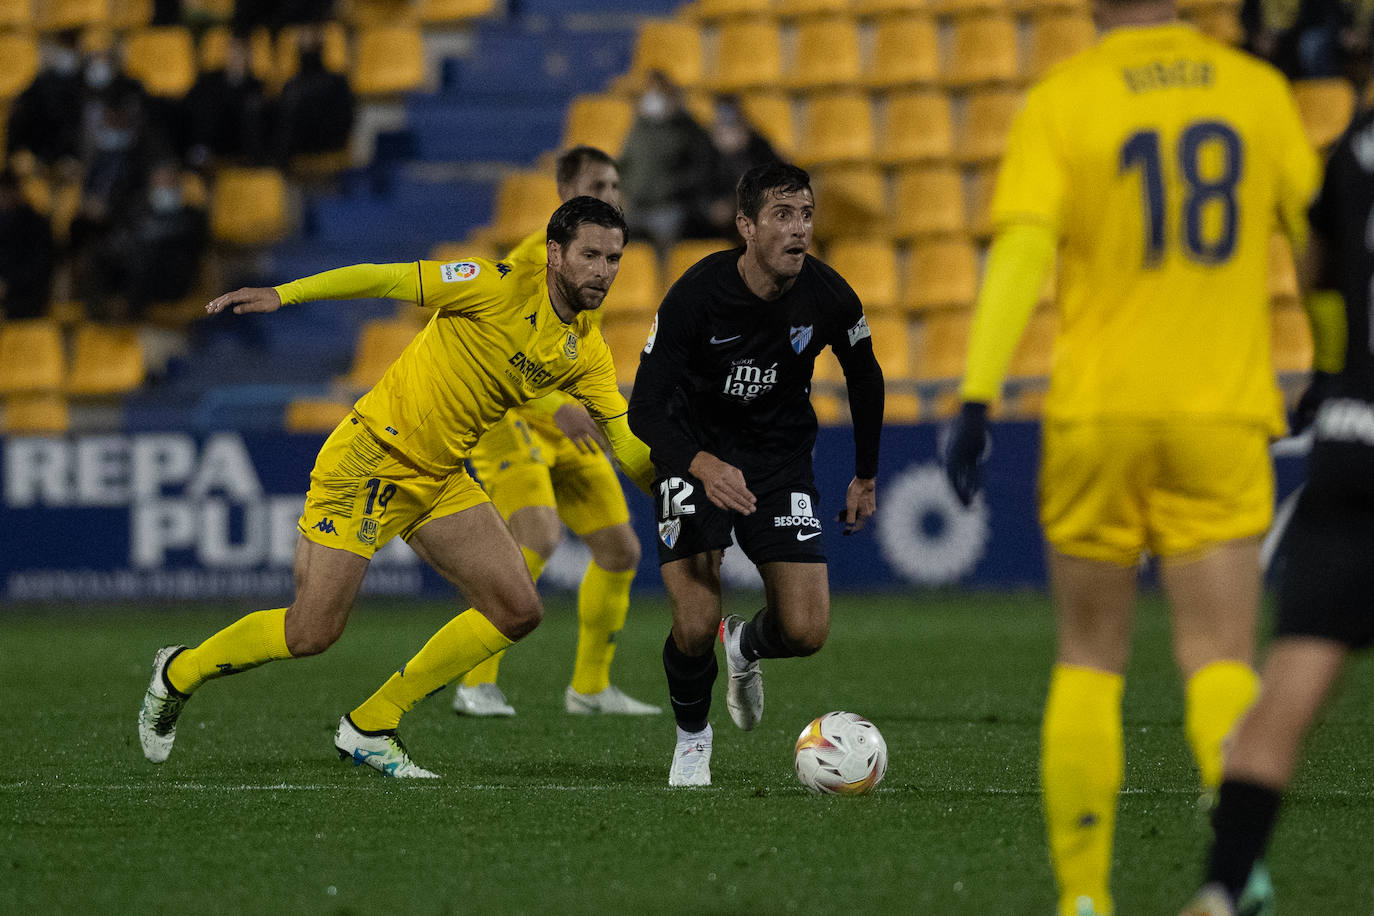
{"x":325,"y":525}
{"x":503,"y":268}
{"x":668,"y":531}
{"x":460,"y":271}
{"x":800,"y":337}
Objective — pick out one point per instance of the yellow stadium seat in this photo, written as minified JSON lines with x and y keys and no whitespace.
{"x":871,"y":269}
{"x":601,"y":121}
{"x":1039,"y":7}
{"x":795,"y":9}
{"x":943,"y":347}
{"x":917,"y":125}
{"x":771,"y":115}
{"x":901,"y":405}
{"x":839,"y":128}
{"x":981,"y":182}
{"x":906,"y":52}
{"x":315,"y":416}
{"x":55,"y":15}
{"x":524,"y":203}
{"x":626,"y":335}
{"x":672,"y":46}
{"x":248,"y":206}
{"x":444,"y":11}
{"x":686,"y":253}
{"x":890,"y":344}
{"x":163,"y":59}
{"x":286,"y":52}
{"x":18,"y":63}
{"x":1034,"y":350}
{"x":379,"y":342}
{"x":942,"y":273}
{"x":721,"y":9}
{"x":1057,"y":35}
{"x":213,"y":51}
{"x":827,"y":54}
{"x":851,"y":200}
{"x":1290,"y":338}
{"x":827,"y":372}
{"x":955,"y":9}
{"x":748,"y":56}
{"x":886,"y":7}
{"x":1219,"y":23}
{"x":128,"y":15}
{"x":986,"y":120}
{"x":32,"y":358}
{"x":637,"y":288}
{"x":106,"y":361}
{"x":365,"y":13}
{"x":16,"y":14}
{"x":1283,"y":275}
{"x":928,"y":200}
{"x":983,"y":51}
{"x":830,"y":407}
{"x":34,"y":414}
{"x":1326,"y":107}
{"x":389,"y":59}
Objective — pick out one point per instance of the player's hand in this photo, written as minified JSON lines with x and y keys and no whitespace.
{"x":724,"y":483}
{"x":966,"y":450}
{"x":1318,"y":390}
{"x":574,"y":422}
{"x":248,"y":299}
{"x":860,"y":502}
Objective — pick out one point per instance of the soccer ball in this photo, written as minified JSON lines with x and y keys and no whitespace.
{"x":841,"y":753}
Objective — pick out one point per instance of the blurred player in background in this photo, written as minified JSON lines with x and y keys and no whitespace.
{"x":1156,"y":164}
{"x":1325,"y":609}
{"x":543,"y":466}
{"x":504,"y":334}
{"x":722,"y":399}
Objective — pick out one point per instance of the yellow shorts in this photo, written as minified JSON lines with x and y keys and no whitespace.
{"x":1112,"y":490}
{"x":363,"y":493}
{"x":525,"y":461}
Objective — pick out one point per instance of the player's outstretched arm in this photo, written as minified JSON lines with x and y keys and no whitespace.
{"x":358,"y":281}
{"x":860,"y":502}
{"x":724,"y":483}
{"x":248,"y":299}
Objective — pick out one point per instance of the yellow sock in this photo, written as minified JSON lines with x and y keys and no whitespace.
{"x":1081,"y":764}
{"x":464,"y":641}
{"x":603,"y":600}
{"x":252,"y":640}
{"x":485,"y":672}
{"x":1216,"y":696}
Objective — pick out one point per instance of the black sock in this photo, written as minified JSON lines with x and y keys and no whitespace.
{"x":762,"y":638}
{"x":690,"y":679}
{"x":1241,"y":823}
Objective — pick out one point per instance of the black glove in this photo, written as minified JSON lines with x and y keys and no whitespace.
{"x":965,"y":450}
{"x":1322,"y":386}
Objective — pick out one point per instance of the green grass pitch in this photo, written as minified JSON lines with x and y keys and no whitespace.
{"x":547,"y":813}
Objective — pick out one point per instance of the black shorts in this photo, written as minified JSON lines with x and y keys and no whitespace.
{"x":1327,"y":590}
{"x":784,"y":527}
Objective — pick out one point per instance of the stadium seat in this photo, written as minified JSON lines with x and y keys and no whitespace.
{"x":1057,"y":35}
{"x":286,"y":55}
{"x":34,"y":414}
{"x":983,"y":51}
{"x":601,"y":121}
{"x":433,"y":12}
{"x":748,"y":56}
{"x":213,"y":50}
{"x":941,"y":274}
{"x":32,"y":358}
{"x":906,"y":52}
{"x":851,"y":200}
{"x":389,"y":59}
{"x":626,"y":335}
{"x":901,"y":404}
{"x":1219,"y":23}
{"x":827,"y":373}
{"x":987,"y":117}
{"x":890,"y":344}
{"x":1034,"y":350}
{"x":380,"y":341}
{"x":839,"y":128}
{"x":886,"y":7}
{"x":928,"y":200}
{"x":106,"y":361}
{"x":670,"y":45}
{"x":1290,"y":338}
{"x":1326,"y":107}
{"x":722,"y":9}
{"x":1034,"y":8}
{"x":524,"y":202}
{"x":980,"y":183}
{"x":366,"y":13}
{"x":1283,"y":275}
{"x":943,"y":346}
{"x":163,"y":58}
{"x":917,"y":125}
{"x":830,"y":406}
{"x":871,"y":269}
{"x":314,"y":415}
{"x":18,"y":63}
{"x":248,"y":206}
{"x":827,"y":54}
{"x":796,"y":9}
{"x":637,"y":288}
{"x":128,"y":15}
{"x":56,"y":15}
{"x":686,"y":253}
{"x":957,"y":9}
{"x":16,"y":14}
{"x":771,"y":115}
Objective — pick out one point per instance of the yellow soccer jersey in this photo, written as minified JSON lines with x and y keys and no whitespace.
{"x":533,"y":249}
{"x":1163,"y":161}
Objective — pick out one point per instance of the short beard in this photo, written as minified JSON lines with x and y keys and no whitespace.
{"x":571,"y":294}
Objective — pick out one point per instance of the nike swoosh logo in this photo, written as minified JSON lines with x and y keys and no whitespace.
{"x":721,"y":340}
{"x":807,"y":537}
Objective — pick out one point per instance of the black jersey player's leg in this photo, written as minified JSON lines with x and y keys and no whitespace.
{"x":689,"y":661}
{"x":796,"y":620}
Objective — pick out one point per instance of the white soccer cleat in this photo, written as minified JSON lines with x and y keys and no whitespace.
{"x":162,"y":705}
{"x":383,"y":751}
{"x":744,"y":691}
{"x":609,"y":702}
{"x":1212,"y":900}
{"x":691,"y":759}
{"x":485,"y":700}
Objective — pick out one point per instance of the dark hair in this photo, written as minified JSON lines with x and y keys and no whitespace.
{"x":754,"y":185}
{"x":575,"y":211}
{"x":572,"y":162}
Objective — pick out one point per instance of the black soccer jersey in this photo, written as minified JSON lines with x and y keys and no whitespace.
{"x":729,"y":373}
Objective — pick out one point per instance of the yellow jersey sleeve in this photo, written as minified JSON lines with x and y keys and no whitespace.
{"x":462,"y":286}
{"x":358,"y":281}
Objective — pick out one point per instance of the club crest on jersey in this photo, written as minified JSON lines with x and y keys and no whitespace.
{"x":570,"y":346}
{"x":368,"y":532}
{"x":668,"y":531}
{"x":800,"y":338}
{"x":460,"y":271}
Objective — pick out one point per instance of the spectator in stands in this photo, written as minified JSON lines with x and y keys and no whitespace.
{"x":273,"y":14}
{"x":227,"y":111}
{"x":666,"y":168}
{"x":739,"y":147}
{"x":46,"y":117}
{"x":26,"y":253}
{"x":316,"y":107}
{"x":1311,"y":38}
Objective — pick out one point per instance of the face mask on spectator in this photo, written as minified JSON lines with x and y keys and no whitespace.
{"x":113,"y":140}
{"x":654,"y":105}
{"x":99,"y":73}
{"x":164,"y":200}
{"x":66,"y":62}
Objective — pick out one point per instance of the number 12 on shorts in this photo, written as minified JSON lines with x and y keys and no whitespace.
{"x":674,"y":493}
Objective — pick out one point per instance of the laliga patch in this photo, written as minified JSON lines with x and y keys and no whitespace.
{"x":801,"y":504}
{"x":859,"y":331}
{"x":570,"y":346}
{"x":668,"y":531}
{"x":653,"y":333}
{"x":459,"y":271}
{"x":800,"y":337}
